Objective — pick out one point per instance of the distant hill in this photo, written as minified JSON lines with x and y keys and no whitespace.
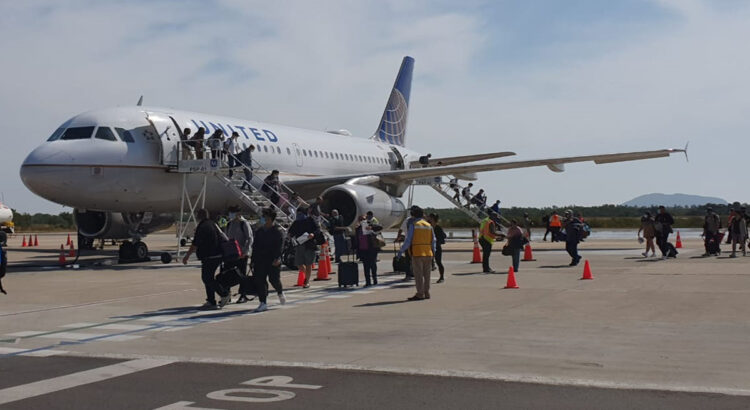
{"x":673,"y":200}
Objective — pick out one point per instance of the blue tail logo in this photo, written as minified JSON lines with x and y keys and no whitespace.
{"x":392,"y":128}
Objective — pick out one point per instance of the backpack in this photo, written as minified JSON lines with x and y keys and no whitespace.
{"x":584,"y":231}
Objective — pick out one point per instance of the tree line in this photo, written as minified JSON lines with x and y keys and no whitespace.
{"x":43,"y":222}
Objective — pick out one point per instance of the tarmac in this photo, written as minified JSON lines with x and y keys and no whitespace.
{"x":644,"y":333}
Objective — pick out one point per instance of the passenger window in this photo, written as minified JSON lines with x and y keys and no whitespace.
{"x":278,"y":150}
{"x":57,"y":134}
{"x":288,"y":151}
{"x":316,"y":154}
{"x":77,"y":133}
{"x":104,"y":133}
{"x":265,"y":148}
{"x":125,"y":135}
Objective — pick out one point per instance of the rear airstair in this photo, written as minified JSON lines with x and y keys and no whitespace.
{"x":472,"y":211}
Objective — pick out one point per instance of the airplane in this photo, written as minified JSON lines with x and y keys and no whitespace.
{"x":118,"y":167}
{"x":6,"y":219}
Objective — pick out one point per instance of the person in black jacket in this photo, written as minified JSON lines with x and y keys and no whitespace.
{"x":304,"y":251}
{"x":266,"y":258}
{"x":365,"y":242}
{"x":207,"y":247}
{"x":663,"y":226}
{"x":439,"y":241}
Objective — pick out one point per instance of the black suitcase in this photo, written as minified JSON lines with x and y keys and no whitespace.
{"x":401,"y":264}
{"x":671,"y":252}
{"x":227,"y":278}
{"x":348,"y":273}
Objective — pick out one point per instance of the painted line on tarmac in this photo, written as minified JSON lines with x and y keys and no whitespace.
{"x":463,"y":374}
{"x":55,"y":384}
{"x":25,"y":352}
{"x":100,"y":302}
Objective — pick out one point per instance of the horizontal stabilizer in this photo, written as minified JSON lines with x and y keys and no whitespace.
{"x":462,"y":159}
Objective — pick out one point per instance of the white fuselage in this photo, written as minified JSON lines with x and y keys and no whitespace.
{"x":6,"y":215}
{"x":110,"y":174}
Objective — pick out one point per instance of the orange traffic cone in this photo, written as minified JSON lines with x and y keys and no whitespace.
{"x":322,"y":268}
{"x":62,"y":255}
{"x":527,"y":254}
{"x":587,"y":271}
{"x":68,"y":242}
{"x":678,"y":244}
{"x":23,"y":245}
{"x":477,"y":256}
{"x":36,"y":240}
{"x":301,"y":278}
{"x":328,"y":257}
{"x":511,"y":284}
{"x":72,"y":252}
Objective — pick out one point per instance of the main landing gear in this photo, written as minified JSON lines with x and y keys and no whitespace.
{"x":133,"y":252}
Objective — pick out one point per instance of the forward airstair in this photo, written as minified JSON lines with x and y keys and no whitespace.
{"x":472,"y":211}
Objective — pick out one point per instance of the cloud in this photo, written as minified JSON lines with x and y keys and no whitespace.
{"x":534,"y":78}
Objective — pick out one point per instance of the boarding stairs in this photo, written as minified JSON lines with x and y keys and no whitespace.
{"x":472,"y":211}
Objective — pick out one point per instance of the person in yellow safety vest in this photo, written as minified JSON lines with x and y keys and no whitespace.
{"x":555,"y":225}
{"x":420,"y":241}
{"x":487,"y":235}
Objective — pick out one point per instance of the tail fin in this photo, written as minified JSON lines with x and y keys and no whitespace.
{"x":392,"y":127}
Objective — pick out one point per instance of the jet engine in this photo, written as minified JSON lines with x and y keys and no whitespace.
{"x":109,"y":225}
{"x":352,"y":200}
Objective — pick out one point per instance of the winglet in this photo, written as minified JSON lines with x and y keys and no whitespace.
{"x":685,"y":151}
{"x":140,"y":101}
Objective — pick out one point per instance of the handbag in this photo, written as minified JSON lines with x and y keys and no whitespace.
{"x":379,"y":240}
{"x":507,"y":251}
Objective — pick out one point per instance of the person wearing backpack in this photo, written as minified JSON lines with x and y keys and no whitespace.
{"x":711,"y":226}
{"x":573,"y":235}
{"x":663,"y":225}
{"x":207,"y":247}
{"x":239,"y":229}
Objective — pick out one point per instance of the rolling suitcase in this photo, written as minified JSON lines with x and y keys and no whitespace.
{"x":348,"y":272}
{"x":671,"y":252}
{"x":401,"y":264}
{"x":227,"y":278}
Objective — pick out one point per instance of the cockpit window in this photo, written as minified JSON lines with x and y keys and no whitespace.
{"x":105,"y":133}
{"x":77,"y":133}
{"x":125,"y":135}
{"x":57,"y":134}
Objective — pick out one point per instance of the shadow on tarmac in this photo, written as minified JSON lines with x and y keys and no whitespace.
{"x":384,"y":303}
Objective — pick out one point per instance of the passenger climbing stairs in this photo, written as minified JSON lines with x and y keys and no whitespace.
{"x":472,"y":211}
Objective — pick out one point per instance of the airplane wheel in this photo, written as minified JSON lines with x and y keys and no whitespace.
{"x":166,"y":257}
{"x":141,"y":250}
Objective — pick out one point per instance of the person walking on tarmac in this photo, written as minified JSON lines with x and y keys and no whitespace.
{"x":487,"y":235}
{"x":516,"y":239}
{"x":239,"y":229}
{"x":440,"y":236}
{"x":555,"y":226}
{"x":739,"y":231}
{"x":663,"y":225}
{"x":365,"y":242}
{"x":266,"y":259}
{"x":573,"y":235}
{"x":420,"y":241}
{"x":545,"y":222}
{"x":647,"y":227}
{"x":206,"y":246}
{"x":338,"y":230}
{"x":711,"y":226}
{"x":304,"y":230}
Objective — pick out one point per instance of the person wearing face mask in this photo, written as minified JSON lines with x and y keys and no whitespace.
{"x":266,"y":259}
{"x":364,"y":241}
{"x":239,"y":229}
{"x":304,"y":251}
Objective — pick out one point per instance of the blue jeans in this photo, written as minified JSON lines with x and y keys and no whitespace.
{"x":516,"y":256}
{"x":572,"y":248}
{"x":370,"y":265}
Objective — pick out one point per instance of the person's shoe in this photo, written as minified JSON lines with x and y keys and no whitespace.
{"x":367,"y":285}
{"x":208,"y":305}
{"x":426,"y":295}
{"x":306,"y":285}
{"x":416,"y":297}
{"x":261,"y":308}
{"x":664,"y":257}
{"x":224,"y":300}
{"x":733,"y":255}
{"x":653,"y":254}
{"x":705,"y":255}
{"x":242,"y":299}
{"x":282,"y":298}
{"x":374,"y":282}
{"x":441,"y":280}
{"x":645,"y":254}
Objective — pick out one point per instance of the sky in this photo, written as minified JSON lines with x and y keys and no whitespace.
{"x":540,"y":78}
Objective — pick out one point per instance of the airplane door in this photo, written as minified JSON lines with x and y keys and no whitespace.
{"x":169,"y":137}
{"x":297,"y":154}
{"x":397,"y":160}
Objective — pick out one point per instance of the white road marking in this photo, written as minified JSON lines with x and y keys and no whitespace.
{"x":160,"y":318}
{"x":338,"y":297}
{"x":77,"y":325}
{"x":38,"y":388}
{"x":121,"y":338}
{"x":72,"y":335}
{"x":122,"y":326}
{"x":26,"y":333}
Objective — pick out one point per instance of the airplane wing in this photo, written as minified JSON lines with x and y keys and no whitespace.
{"x":400,"y":176}
{"x":464,"y":159}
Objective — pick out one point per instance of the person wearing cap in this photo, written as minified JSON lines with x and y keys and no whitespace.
{"x":573,"y":234}
{"x":420,"y":241}
{"x":711,"y":226}
{"x":647,"y":227}
{"x":739,"y":231}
